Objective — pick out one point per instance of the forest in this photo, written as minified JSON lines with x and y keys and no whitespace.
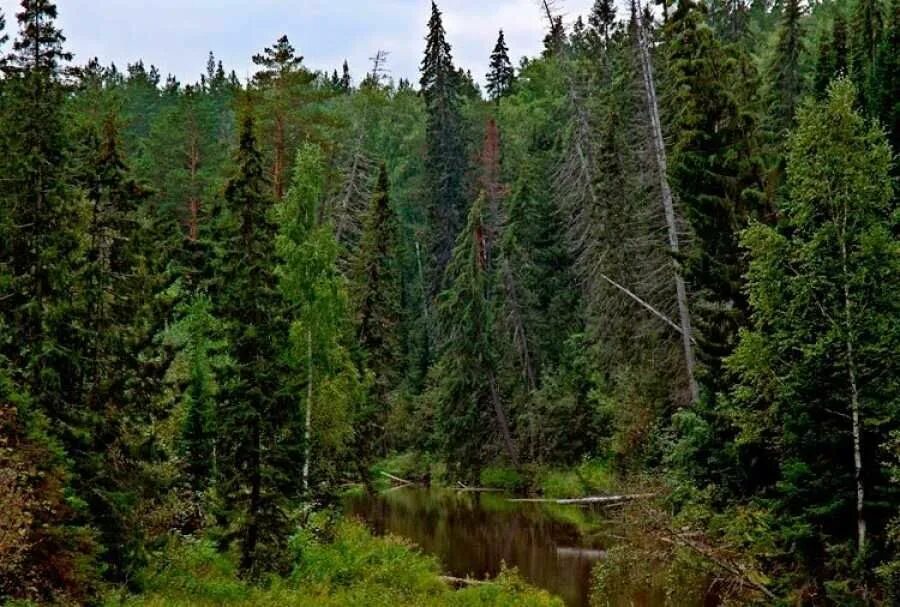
{"x":657,"y":264}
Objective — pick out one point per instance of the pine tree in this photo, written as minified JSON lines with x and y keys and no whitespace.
{"x":815,"y":367}
{"x":284,"y":84}
{"x":500,"y":78}
{"x":379,"y":314}
{"x":255,"y":422}
{"x":445,"y":152}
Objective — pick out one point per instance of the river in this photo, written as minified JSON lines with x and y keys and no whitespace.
{"x":474,"y":533}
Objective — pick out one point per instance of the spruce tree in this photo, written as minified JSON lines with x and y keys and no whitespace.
{"x":472,"y":423}
{"x":445,"y":150}
{"x":716,"y":176}
{"x":785,"y":72}
{"x":500,"y":78}
{"x":255,"y":422}
{"x":602,"y":21}
{"x":887,"y":77}
{"x":41,"y":252}
{"x":345,"y":82}
{"x":866,"y":31}
{"x":378,"y":281}
{"x":832,"y":56}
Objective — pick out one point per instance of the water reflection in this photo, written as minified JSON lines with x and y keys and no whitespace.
{"x":473,"y":533}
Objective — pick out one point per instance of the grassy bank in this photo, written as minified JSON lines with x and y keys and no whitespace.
{"x":353,"y":568}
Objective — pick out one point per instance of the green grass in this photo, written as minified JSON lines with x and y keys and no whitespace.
{"x":354,"y":570}
{"x":591,"y":477}
{"x":499,"y":477}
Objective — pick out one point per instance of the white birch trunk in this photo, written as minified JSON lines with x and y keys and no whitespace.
{"x":307,"y":434}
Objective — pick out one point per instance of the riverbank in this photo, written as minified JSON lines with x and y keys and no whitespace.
{"x":336,"y":564}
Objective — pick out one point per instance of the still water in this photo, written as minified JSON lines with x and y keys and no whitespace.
{"x":474,"y":533}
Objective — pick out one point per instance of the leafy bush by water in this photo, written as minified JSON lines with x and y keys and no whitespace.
{"x":355,"y":569}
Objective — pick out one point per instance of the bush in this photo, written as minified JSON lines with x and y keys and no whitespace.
{"x":498,"y":477}
{"x":354,"y":569}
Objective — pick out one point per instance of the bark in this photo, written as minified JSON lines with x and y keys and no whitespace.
{"x":307,"y":433}
{"x":854,"y":392}
{"x":502,"y":421}
{"x":668,"y":204}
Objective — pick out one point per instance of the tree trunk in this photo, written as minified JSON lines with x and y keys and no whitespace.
{"x":659,"y":147}
{"x":502,"y":421}
{"x":307,"y":434}
{"x":854,"y":393}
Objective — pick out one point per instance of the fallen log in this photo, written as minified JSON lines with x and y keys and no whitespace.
{"x":603,"y":499}
{"x":397,"y":479}
{"x":460,"y":581}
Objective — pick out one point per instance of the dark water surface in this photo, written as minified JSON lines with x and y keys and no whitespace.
{"x":473,"y":533}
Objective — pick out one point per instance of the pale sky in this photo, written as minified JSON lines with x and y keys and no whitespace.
{"x":177,"y":35}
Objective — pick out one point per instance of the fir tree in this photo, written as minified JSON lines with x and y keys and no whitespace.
{"x":500,"y":78}
{"x":445,"y":152}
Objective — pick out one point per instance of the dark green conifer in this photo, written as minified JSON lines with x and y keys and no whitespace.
{"x":500,"y":78}
{"x":256,"y":464}
{"x":445,"y":151}
{"x":378,"y":283}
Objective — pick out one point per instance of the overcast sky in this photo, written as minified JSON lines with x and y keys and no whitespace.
{"x":177,"y":35}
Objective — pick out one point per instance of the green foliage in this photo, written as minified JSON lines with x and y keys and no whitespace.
{"x":353,"y":569}
{"x":811,"y":363}
{"x":500,"y":477}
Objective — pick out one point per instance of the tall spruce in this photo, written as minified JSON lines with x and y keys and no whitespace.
{"x":785,"y":72}
{"x":472,"y":421}
{"x":378,"y":285}
{"x":500,"y":78}
{"x":715,"y":175}
{"x":445,"y":150}
{"x":255,"y":422}
{"x":866,"y":30}
{"x":832,"y":59}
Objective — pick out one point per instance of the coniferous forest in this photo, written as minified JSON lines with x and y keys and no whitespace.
{"x":656,"y":265}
